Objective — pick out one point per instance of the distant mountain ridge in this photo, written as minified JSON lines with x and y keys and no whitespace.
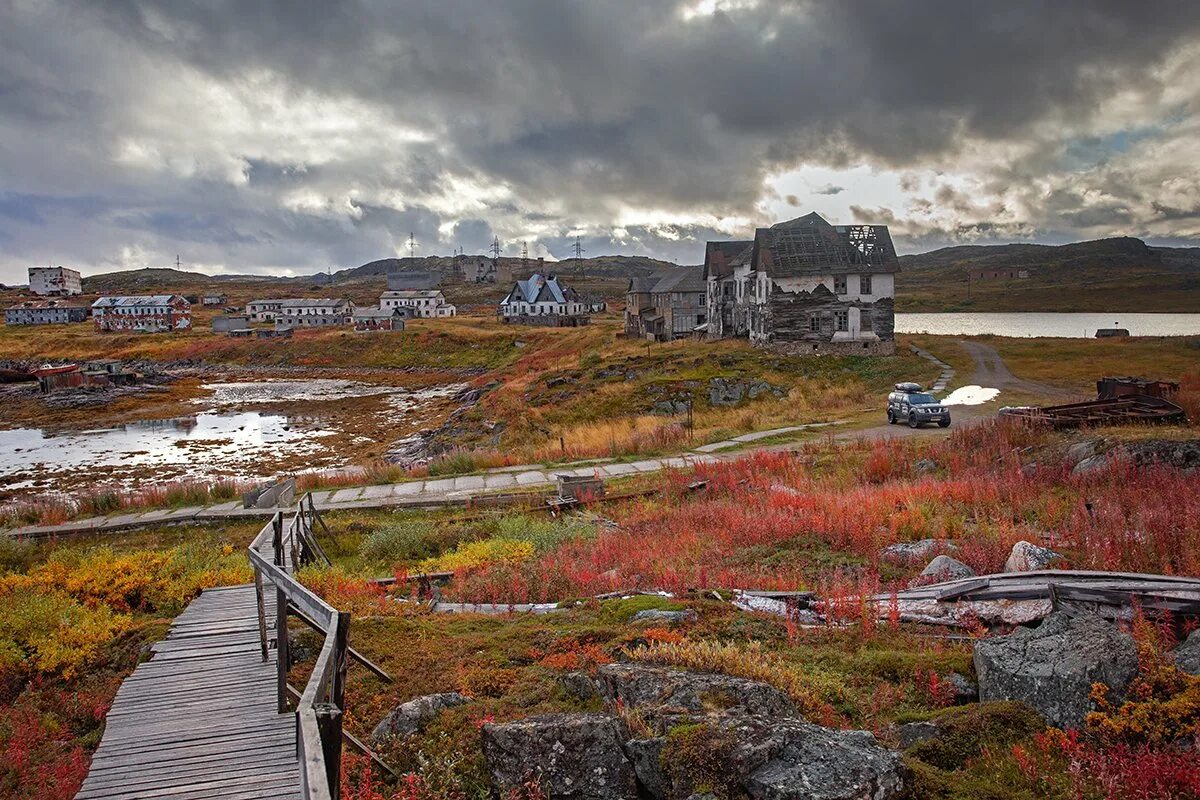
{"x":1118,"y":274}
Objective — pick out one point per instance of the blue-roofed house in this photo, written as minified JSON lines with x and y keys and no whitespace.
{"x":543,"y":300}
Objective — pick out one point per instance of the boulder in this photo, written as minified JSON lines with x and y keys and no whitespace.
{"x":662,"y":615}
{"x":945,"y":568}
{"x":925,"y":465}
{"x":646,"y":757}
{"x":580,"y":686}
{"x":790,"y":759}
{"x":1081,"y":451}
{"x":965,"y":689}
{"x":572,"y":756}
{"x":911,"y":733}
{"x":1029,"y":557}
{"x":665,"y":693}
{"x":1090,"y":464}
{"x":1187,"y":654}
{"x":909,"y":552}
{"x":1052,"y":667}
{"x":409,"y":718}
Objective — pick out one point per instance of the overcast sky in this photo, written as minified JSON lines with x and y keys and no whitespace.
{"x":289,"y":137}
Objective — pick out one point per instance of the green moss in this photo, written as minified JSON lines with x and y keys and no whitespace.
{"x":967,"y":731}
{"x":695,"y":759}
{"x":624,"y":609}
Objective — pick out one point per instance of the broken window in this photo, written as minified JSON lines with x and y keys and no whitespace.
{"x":814,"y":323}
{"x":842,"y":320}
{"x":839,"y":284}
{"x":864,"y":284}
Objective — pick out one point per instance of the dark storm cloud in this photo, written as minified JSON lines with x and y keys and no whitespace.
{"x":296,"y":133}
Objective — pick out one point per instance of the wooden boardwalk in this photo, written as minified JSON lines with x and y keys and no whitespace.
{"x":200,"y":719}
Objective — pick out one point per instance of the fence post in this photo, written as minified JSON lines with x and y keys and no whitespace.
{"x":281,"y":648}
{"x":277,"y":538}
{"x":260,"y":601}
{"x":329,"y":724}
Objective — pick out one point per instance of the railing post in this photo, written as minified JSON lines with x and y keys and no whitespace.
{"x":341,"y":654}
{"x":281,"y":648}
{"x":260,"y":601}
{"x":329,"y":723}
{"x":277,"y":538}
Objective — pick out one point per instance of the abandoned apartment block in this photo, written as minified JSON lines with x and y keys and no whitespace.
{"x":44,"y":312}
{"x":419,"y":303}
{"x":806,"y":287}
{"x":313,"y":312}
{"x":143,"y":313}
{"x":55,"y":281}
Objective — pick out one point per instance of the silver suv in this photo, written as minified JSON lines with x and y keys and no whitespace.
{"x":912,"y":404}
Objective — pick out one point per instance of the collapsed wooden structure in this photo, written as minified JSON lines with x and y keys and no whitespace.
{"x":1018,"y":597}
{"x":1118,"y":400}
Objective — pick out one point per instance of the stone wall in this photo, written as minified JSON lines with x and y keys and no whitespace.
{"x":814,"y":348}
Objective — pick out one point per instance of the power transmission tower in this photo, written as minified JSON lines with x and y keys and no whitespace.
{"x":177,"y":261}
{"x":412,"y":246}
{"x":495,"y":248}
{"x":578,"y":248}
{"x":524,"y":257}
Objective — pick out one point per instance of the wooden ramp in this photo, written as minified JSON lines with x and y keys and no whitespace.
{"x":200,"y":719}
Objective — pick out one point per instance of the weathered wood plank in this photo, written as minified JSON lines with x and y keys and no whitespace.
{"x":199,"y":719}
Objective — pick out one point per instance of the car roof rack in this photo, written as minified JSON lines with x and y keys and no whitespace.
{"x":910,"y":388}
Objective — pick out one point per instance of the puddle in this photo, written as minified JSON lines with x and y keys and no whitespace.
{"x":970,"y":396}
{"x":201,"y":447}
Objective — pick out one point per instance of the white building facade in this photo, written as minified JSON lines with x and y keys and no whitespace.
{"x":55,"y":281}
{"x":420,"y":303}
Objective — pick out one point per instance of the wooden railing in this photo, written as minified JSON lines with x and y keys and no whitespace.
{"x":320,"y":706}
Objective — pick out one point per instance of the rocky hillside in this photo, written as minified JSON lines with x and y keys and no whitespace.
{"x":1122,"y":274}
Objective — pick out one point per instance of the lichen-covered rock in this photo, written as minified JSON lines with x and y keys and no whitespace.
{"x":1090,"y":464}
{"x":911,"y":733}
{"x":409,"y":718}
{"x":580,"y":686}
{"x":1052,"y":667}
{"x":910,"y":552}
{"x":790,"y":759}
{"x":646,"y":757}
{"x":1029,"y":557}
{"x":665,"y":692}
{"x":945,"y":568}
{"x":571,"y":756}
{"x":1187,"y":654}
{"x":663,"y":615}
{"x":965,"y":689}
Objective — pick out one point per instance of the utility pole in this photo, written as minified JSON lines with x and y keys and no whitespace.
{"x":524,"y":257}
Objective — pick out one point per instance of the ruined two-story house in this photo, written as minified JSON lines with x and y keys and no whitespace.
{"x":667,"y":305}
{"x":806,"y":287}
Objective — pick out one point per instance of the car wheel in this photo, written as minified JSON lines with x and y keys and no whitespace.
{"x":943,"y":423}
{"x":912,"y":421}
{"x":891,"y":417}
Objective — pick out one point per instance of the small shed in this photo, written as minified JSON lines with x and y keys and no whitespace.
{"x":227,"y":323}
{"x":378,"y":319}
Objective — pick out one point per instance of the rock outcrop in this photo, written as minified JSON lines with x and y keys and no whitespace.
{"x":1187,"y":654}
{"x":1029,"y":557}
{"x":657,"y":691}
{"x":1052,"y":667}
{"x":910,"y":552}
{"x":411,"y":717}
{"x":571,"y":756}
{"x":946,"y":568}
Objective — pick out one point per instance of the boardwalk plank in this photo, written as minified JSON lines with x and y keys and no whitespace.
{"x":199,"y":719}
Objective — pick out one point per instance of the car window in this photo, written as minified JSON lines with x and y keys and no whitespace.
{"x":921,"y":399}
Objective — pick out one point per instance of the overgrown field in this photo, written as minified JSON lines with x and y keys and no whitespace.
{"x":74,"y":615}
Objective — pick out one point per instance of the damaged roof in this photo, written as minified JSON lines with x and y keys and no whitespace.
{"x":809,"y":245}
{"x":720,"y":258}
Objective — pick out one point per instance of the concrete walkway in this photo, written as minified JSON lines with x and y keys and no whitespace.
{"x":429,"y":493}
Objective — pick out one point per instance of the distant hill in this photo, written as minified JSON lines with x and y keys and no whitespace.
{"x":1120,"y":274}
{"x":154,"y":280}
{"x":599,"y":267}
